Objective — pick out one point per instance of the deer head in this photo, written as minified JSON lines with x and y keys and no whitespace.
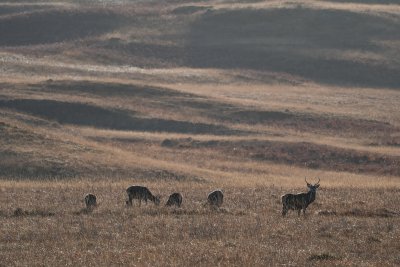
{"x":311,"y":186}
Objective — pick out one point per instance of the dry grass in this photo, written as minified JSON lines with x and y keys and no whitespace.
{"x":247,"y":230}
{"x":246,"y":96}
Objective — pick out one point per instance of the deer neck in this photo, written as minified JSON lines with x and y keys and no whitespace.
{"x":311,"y":196}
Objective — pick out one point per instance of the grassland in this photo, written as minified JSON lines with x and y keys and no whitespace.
{"x":247,"y":96}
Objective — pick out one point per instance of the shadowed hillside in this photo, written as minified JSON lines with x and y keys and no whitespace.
{"x":328,"y":46}
{"x":50,"y":26}
{"x":301,"y":154}
{"x":51,"y":152}
{"x":299,"y":41}
{"x":143,"y":108}
{"x":150,"y":109}
{"x":365,"y":1}
{"x":88,"y":115}
{"x":12,"y":10}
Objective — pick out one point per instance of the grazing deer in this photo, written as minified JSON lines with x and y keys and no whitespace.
{"x":140,"y":193}
{"x":90,"y":201}
{"x":215,"y":198}
{"x":299,"y":201}
{"x":174,"y":199}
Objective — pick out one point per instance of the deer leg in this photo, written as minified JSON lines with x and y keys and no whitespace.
{"x":298,"y":212}
{"x":284,"y":211}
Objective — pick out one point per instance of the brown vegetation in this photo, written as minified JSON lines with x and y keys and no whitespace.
{"x":246,"y":96}
{"x":245,"y":231}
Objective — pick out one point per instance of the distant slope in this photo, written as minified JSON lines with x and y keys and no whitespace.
{"x":53,"y":25}
{"x":41,"y":133}
{"x":160,"y":109}
{"x":191,"y":90}
{"x":326,"y":46}
{"x":323,"y":44}
{"x":50,"y":152}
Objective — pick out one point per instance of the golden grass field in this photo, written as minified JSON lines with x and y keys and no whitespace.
{"x":250,"y":97}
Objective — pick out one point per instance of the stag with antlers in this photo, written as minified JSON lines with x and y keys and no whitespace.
{"x":299,"y":201}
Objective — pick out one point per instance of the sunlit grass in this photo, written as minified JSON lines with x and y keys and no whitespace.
{"x":143,"y":69}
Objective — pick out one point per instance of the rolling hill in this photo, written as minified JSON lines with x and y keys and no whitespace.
{"x":189,"y":96}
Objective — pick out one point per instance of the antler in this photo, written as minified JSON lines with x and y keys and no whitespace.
{"x":305,"y":179}
{"x":318,"y":181}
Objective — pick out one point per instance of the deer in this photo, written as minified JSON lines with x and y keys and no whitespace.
{"x":90,"y":201}
{"x":299,"y":201}
{"x":174,"y":199}
{"x":141,"y":193}
{"x":215,"y":198}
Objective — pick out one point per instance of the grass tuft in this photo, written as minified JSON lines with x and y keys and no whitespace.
{"x":19,"y":212}
{"x":322,"y":257}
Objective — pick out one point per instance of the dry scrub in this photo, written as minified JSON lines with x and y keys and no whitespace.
{"x":247,"y":230}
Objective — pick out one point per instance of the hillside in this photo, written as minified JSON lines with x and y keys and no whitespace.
{"x":189,"y":96}
{"x":179,"y":69}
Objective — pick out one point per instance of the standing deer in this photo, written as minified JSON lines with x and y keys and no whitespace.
{"x":299,"y":201}
{"x":174,"y":199}
{"x":215,"y":198}
{"x":140,"y":193}
{"x":90,"y":201}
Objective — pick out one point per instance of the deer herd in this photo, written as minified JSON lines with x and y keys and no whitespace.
{"x":215,"y":199}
